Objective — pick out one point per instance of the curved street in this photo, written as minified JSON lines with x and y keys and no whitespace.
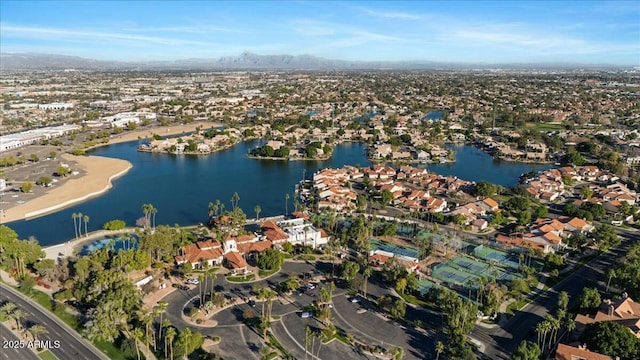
{"x":501,"y":342}
{"x":71,"y":345}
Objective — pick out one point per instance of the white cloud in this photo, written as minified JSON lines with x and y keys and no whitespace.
{"x":41,"y":33}
{"x":398,"y":15}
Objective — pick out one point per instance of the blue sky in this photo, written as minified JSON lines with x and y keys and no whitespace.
{"x":464,"y":31}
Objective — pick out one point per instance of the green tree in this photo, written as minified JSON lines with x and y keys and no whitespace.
{"x":44,"y":181}
{"x":627,"y":273}
{"x":439,"y":349}
{"x":62,"y":171}
{"x":387,"y":197}
{"x":527,"y":351}
{"x":349,"y":269}
{"x":524,"y":217}
{"x":613,"y":339}
{"x":485,"y":189}
{"x":114,"y":225}
{"x":398,"y":309}
{"x":541,"y":211}
{"x":270,"y":259}
{"x":257,"y":209}
{"x":589,"y":299}
{"x":586,"y":192}
{"x":606,"y":237}
{"x":27,"y":187}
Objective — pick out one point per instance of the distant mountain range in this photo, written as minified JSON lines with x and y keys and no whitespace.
{"x":251,"y":61}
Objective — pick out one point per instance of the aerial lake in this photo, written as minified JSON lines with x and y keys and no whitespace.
{"x":181,"y":186}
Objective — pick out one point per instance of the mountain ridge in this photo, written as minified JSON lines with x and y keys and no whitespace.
{"x":253,"y":61}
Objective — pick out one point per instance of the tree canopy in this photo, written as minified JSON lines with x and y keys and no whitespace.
{"x":613,"y":339}
{"x":270,"y":259}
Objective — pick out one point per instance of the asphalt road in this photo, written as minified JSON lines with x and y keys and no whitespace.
{"x":370,"y":327}
{"x":13,"y":348}
{"x":63,"y":341}
{"x":500,"y":343}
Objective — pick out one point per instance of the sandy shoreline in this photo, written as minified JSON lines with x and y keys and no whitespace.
{"x":98,"y":172}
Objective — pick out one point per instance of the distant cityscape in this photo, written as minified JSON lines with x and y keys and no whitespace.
{"x":282,"y":207}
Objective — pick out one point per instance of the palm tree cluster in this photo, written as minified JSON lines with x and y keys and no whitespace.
{"x":77,"y":225}
{"x":551,"y":326}
{"x":149,"y":212}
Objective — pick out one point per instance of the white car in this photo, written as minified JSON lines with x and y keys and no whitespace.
{"x":193,"y":281}
{"x":355,"y":299}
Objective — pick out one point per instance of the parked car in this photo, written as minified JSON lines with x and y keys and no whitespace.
{"x":183,"y":287}
{"x":310,"y":286}
{"x":193,"y":281}
{"x":305,"y":314}
{"x":355,"y":299}
{"x":252,"y":303}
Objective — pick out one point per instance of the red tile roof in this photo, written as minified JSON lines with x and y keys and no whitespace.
{"x":235,"y":260}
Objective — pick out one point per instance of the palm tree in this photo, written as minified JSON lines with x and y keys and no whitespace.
{"x":146,"y":210}
{"x":234,"y":200}
{"x":153,"y":211}
{"x":37,"y":330}
{"x":8,"y":308}
{"x":86,"y":220}
{"x":160,"y":308}
{"x":257,"y":209}
{"x":212,"y":209}
{"x":18,"y":315}
{"x":366,"y":273}
{"x":218,"y":207}
{"x":164,"y":325}
{"x":74,"y":216}
{"x":286,"y":204}
{"x":439,"y":349}
{"x":307,"y":340}
{"x":137,"y":334}
{"x":169,"y":335}
{"x":540,"y":329}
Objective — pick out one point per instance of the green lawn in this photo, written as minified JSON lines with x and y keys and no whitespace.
{"x":249,"y":277}
{"x":515,"y":306}
{"x":265,"y":273}
{"x":47,"y":355}
{"x":110,"y":350}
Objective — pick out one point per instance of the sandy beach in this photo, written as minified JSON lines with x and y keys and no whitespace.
{"x":99,"y":172}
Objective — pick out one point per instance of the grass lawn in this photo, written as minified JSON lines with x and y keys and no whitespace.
{"x":249,"y":277}
{"x":110,"y":350}
{"x":47,"y":355}
{"x":515,"y":306}
{"x":265,"y":273}
{"x":46,"y":302}
{"x":418,"y":302}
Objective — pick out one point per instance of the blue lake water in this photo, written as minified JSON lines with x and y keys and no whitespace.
{"x":181,"y":186}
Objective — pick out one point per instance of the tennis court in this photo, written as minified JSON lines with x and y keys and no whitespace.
{"x":393,"y":248}
{"x":496,"y":256}
{"x":447,"y":273}
{"x":470,"y":265}
{"x":424,"y":285}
